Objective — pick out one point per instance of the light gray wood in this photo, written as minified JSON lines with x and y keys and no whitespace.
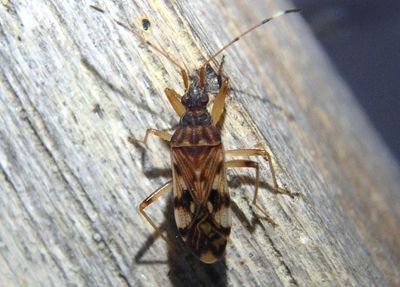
{"x":74,"y":86}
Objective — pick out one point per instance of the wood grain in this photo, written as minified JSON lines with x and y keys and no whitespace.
{"x":74,"y":86}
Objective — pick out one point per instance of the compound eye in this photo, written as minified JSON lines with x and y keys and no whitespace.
{"x":219,"y":78}
{"x":184,"y":100}
{"x":204,"y":99}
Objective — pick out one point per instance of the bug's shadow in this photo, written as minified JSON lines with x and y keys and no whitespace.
{"x":239,"y":92}
{"x":250,"y":224}
{"x":236,"y":181}
{"x":150,"y":172}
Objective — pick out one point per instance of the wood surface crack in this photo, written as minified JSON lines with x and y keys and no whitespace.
{"x":8,"y":180}
{"x":190,"y":34}
{"x":279,"y":256}
{"x":61,"y":171}
{"x":94,"y":71}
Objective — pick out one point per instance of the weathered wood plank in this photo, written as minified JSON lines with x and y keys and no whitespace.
{"x":74,"y":86}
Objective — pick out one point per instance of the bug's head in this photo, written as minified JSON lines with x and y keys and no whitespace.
{"x":202,"y":82}
{"x":195,"y":98}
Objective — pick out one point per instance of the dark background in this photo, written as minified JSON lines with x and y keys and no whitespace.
{"x":362,"y":38}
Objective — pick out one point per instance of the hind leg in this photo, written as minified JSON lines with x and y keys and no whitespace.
{"x":252,"y":164}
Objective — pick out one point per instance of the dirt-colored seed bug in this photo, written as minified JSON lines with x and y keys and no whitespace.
{"x":201,"y":198}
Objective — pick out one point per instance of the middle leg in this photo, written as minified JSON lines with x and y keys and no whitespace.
{"x":160,"y":134}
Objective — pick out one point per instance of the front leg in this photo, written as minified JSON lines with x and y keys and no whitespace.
{"x":219,"y":102}
{"x":175,"y":101}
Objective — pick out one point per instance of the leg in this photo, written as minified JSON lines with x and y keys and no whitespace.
{"x":162,"y":135}
{"x":185,"y":79}
{"x":219,"y":102}
{"x":167,"y":187}
{"x":267,"y":156}
{"x":174,"y":99}
{"x":251,"y":164}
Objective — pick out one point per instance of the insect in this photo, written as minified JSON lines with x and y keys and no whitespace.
{"x":201,"y":197}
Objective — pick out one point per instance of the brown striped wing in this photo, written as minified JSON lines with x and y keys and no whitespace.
{"x":201,"y":199}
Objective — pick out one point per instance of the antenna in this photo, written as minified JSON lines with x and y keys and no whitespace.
{"x":154,"y":47}
{"x":280,"y":13}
